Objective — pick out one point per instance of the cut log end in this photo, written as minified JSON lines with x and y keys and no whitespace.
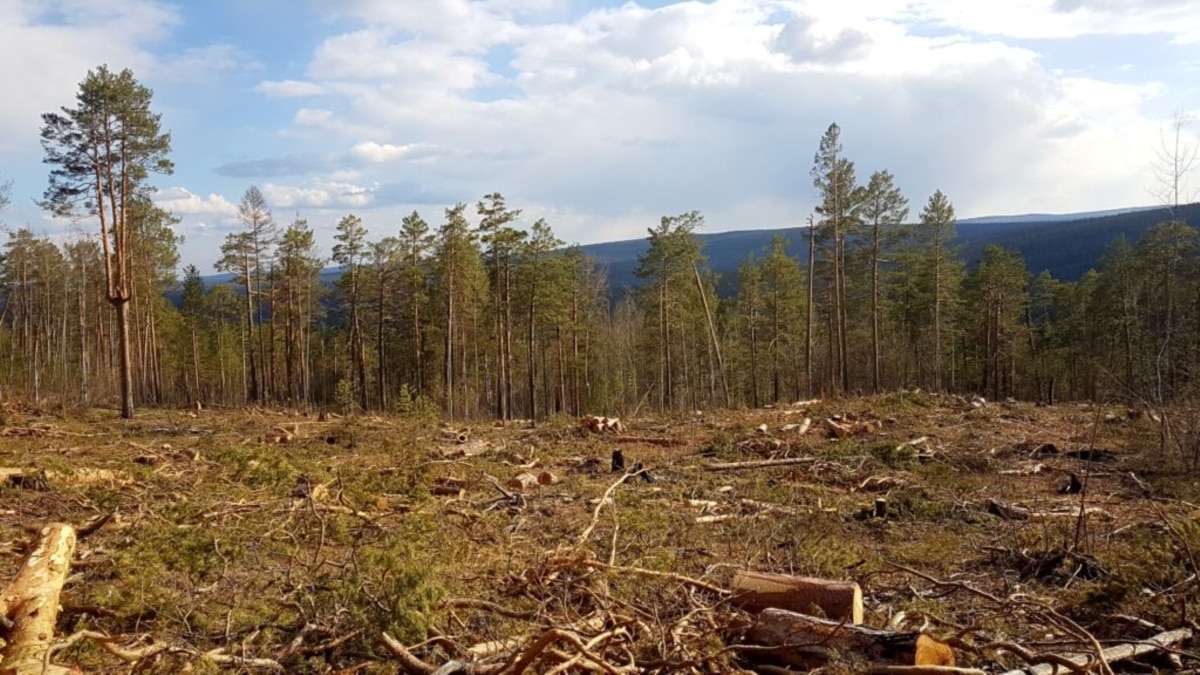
{"x":837,"y":600}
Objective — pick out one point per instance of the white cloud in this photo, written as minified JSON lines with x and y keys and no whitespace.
{"x":289,"y":89}
{"x":378,"y":153}
{"x":1043,"y":19}
{"x":317,"y":194}
{"x":180,"y":200}
{"x":607,"y":120}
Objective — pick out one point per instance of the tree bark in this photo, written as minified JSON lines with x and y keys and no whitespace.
{"x":30,"y":602}
{"x":810,"y":642}
{"x":121,"y":304}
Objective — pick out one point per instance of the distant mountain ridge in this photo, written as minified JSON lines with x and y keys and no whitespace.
{"x":1066,"y":245}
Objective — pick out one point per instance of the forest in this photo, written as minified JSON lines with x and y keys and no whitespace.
{"x":476,"y":312}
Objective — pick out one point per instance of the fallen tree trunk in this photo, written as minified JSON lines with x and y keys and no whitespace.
{"x":838,"y":600}
{"x":1121,"y":652}
{"x":810,"y":642}
{"x":1008,"y":511}
{"x":30,"y":602}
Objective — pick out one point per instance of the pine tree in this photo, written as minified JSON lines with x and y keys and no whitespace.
{"x":502,"y":243}
{"x":103,"y":151}
{"x":298,"y":267}
{"x":997,"y":294}
{"x":884,"y":210}
{"x":416,"y":243}
{"x":940,"y":276}
{"x":350,"y":254}
{"x":246,"y":254}
{"x":833,"y":177}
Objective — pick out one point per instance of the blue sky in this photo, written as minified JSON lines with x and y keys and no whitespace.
{"x":602,"y":116}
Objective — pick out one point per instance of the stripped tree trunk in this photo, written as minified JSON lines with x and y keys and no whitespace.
{"x":30,"y":602}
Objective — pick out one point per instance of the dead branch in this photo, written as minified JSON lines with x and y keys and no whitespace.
{"x":409,"y":663}
{"x":685,"y":580}
{"x":606,"y":499}
{"x":650,"y":440}
{"x":1121,"y":652}
{"x":757,"y":464}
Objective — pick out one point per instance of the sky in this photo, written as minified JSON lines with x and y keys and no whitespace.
{"x":602,"y":116}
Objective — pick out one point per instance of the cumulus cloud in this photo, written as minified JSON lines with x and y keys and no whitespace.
{"x":180,"y":200}
{"x":317,"y":194}
{"x":378,"y":153}
{"x":606,"y":119}
{"x":289,"y":89}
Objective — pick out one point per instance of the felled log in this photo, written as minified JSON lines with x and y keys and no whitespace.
{"x":599,"y":425}
{"x":838,"y":600}
{"x":30,"y":602}
{"x":810,"y":642}
{"x":1121,"y":652}
{"x":801,"y":428}
{"x":1008,"y":511}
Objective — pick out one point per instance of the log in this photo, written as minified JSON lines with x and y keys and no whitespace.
{"x":599,"y":425}
{"x":1121,"y":652}
{"x":757,"y":464}
{"x":1008,"y":511}
{"x":800,"y":429}
{"x":810,"y":642}
{"x":30,"y":602}
{"x":838,"y":600}
{"x":523,"y":481}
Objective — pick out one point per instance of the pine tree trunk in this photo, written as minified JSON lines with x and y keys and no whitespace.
{"x":808,"y":323}
{"x":121,"y":305}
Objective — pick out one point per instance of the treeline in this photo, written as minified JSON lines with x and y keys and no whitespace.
{"x":476,"y":317}
{"x":480,"y":314}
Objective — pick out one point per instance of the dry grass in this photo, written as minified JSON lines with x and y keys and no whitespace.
{"x":305,"y":552}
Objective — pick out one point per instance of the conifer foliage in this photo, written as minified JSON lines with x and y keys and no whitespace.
{"x":487,"y":313}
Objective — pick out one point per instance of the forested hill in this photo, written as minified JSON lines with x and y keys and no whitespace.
{"x":1066,"y":245}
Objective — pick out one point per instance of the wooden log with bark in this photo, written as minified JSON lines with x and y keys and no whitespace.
{"x":30,"y":602}
{"x":810,"y":642}
{"x":837,"y":600}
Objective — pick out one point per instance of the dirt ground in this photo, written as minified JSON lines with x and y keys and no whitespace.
{"x":259,"y":541}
